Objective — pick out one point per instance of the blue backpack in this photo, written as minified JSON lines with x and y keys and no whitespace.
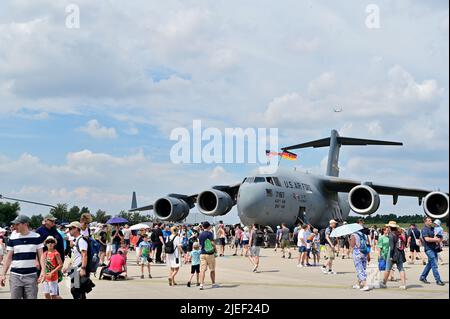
{"x":93,"y":253}
{"x":363,"y":247}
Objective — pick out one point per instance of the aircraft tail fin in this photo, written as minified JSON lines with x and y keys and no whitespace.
{"x":334,"y":142}
{"x":134,"y":201}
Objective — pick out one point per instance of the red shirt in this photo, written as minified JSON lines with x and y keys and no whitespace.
{"x":117,"y":262}
{"x":50,"y":264}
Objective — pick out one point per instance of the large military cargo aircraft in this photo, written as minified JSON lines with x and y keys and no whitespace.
{"x":291,"y":196}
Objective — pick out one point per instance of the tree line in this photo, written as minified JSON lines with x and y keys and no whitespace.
{"x":64,"y":214}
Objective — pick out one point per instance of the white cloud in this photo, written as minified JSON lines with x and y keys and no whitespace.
{"x":323,"y":84}
{"x":94,"y":130}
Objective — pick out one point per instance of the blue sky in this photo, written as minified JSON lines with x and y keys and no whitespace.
{"x":86,"y":113}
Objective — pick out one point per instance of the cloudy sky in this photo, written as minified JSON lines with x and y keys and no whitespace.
{"x":86,"y":113}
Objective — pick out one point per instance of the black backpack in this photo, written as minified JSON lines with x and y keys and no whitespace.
{"x":259,"y":238}
{"x":322,"y":236}
{"x":169,"y":248}
{"x":153,"y":237}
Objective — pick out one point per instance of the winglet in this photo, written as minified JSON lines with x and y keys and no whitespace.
{"x":134,"y":201}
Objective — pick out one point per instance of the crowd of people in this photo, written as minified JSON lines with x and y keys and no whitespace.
{"x":78,"y":249}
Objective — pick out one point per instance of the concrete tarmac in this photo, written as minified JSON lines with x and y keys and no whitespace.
{"x":277,"y":278}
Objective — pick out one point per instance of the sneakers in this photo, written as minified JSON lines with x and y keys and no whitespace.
{"x":324,"y":270}
{"x":201,"y":287}
{"x":150,"y":276}
{"x":142,"y":276}
{"x":424,"y":281}
{"x":300,"y":266}
{"x":383,"y":285}
{"x":198,"y":284}
{"x":189,"y":284}
{"x":255,"y":268}
{"x":289,"y":257}
{"x":215,"y":286}
{"x":356,"y":287}
{"x":331,"y":272}
{"x":365,"y":288}
{"x":308,"y":265}
{"x":402,"y":287}
{"x":440,"y":283}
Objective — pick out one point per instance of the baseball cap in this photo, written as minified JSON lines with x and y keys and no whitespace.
{"x":74,"y":224}
{"x":50,"y":217}
{"x":206,"y":224}
{"x":21,"y":219}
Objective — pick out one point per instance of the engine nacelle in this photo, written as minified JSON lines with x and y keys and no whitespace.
{"x":171,"y":209}
{"x":364,"y":200}
{"x":214,"y":202}
{"x":435,"y":205}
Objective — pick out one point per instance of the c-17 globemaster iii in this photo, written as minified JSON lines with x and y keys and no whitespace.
{"x":291,"y":196}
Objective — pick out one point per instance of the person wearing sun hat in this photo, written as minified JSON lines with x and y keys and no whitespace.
{"x":396,"y":255}
{"x":53,"y":264}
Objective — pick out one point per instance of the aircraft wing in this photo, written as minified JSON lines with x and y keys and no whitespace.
{"x":191,"y":199}
{"x":345,"y":185}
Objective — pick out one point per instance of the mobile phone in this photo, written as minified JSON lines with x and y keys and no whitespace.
{"x":177,"y":260}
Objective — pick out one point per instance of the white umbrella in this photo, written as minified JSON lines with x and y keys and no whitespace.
{"x":2,"y":230}
{"x":345,"y":230}
{"x":139,"y":226}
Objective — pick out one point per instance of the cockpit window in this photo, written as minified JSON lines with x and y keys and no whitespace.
{"x":270,"y":180}
{"x":260,"y":179}
{"x":277,"y":181}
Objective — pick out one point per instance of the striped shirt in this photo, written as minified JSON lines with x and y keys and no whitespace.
{"x":24,"y":249}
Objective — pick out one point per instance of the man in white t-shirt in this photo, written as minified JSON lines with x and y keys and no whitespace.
{"x":78,"y":268}
{"x":302,"y":246}
{"x":126,"y":235}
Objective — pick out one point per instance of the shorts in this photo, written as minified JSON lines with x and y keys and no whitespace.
{"x":414,"y":248}
{"x":329,"y":252}
{"x":222,"y":241}
{"x":255,"y":251}
{"x":302,"y":249}
{"x":237,"y":243}
{"x":143,"y":261}
{"x":102,"y":248}
{"x":341,"y":243}
{"x":51,"y":287}
{"x":390,"y":263}
{"x":195,"y":269}
{"x":108,"y":247}
{"x":245,"y":242}
{"x":207,"y":261}
{"x":127,"y":242}
{"x":2,"y":251}
{"x":285,"y":243}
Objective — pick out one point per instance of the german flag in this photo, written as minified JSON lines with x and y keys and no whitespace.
{"x":288,"y":155}
{"x":285,"y":154}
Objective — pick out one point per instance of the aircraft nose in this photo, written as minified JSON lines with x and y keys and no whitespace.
{"x":251,"y":201}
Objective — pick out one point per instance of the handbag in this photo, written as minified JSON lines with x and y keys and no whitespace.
{"x":418,"y":242}
{"x":382,"y":264}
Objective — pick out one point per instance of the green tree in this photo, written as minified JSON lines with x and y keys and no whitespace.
{"x":85,"y":210}
{"x":101,"y":216}
{"x":36,"y":221}
{"x":8,"y":212}
{"x":60,"y":212}
{"x":74,"y":214}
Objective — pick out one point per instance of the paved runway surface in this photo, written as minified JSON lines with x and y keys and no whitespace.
{"x":277,"y":279}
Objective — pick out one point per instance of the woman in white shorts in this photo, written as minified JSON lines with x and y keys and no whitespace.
{"x":174,"y":259}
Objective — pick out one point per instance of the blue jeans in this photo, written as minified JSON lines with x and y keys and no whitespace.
{"x":115,"y":248}
{"x":431,"y":265}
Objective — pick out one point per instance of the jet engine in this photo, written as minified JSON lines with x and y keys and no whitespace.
{"x":363,"y":200}
{"x":171,"y":209}
{"x":435,"y":205}
{"x":214,"y":202}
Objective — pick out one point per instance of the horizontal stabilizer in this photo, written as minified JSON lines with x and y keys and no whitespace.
{"x":342,"y":141}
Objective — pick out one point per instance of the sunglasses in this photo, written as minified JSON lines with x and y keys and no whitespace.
{"x":50,"y":242}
